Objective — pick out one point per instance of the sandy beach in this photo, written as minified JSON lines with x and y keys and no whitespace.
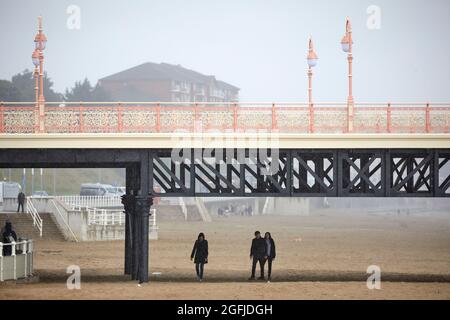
{"x":321,"y":256}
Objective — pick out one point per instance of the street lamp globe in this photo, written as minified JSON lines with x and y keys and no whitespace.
{"x":312,"y":56}
{"x":312,"y":62}
{"x":345,"y":43}
{"x":40,"y":40}
{"x":35,"y":57}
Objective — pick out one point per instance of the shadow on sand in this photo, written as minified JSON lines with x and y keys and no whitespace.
{"x":217,"y":276}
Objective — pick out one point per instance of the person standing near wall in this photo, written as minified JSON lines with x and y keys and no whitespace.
{"x":20,"y":201}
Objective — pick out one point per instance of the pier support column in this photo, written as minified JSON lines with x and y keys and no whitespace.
{"x":142,"y":212}
{"x":128,"y":202}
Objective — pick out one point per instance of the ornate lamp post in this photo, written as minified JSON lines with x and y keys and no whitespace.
{"x":347,"y":44}
{"x":312,"y":61}
{"x":35,"y":58}
{"x":40,"y":41}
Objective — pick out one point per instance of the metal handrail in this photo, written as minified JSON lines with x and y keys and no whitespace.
{"x":26,"y":244}
{"x":105,"y":217}
{"x":122,"y":117}
{"x":228,"y":103}
{"x":32,"y":211}
{"x":91,"y":201}
{"x":64,"y":220}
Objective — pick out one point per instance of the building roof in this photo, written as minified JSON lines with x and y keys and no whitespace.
{"x":166,"y":71}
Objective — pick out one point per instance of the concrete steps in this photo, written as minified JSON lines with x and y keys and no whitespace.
{"x":193,"y":214}
{"x":165,"y":212}
{"x":172,"y":212}
{"x":23,"y":226}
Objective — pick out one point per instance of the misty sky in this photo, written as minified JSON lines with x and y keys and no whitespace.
{"x":259,"y":46}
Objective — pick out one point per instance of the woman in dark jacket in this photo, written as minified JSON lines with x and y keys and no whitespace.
{"x":8,"y":236}
{"x":270,"y":253}
{"x":200,"y":255}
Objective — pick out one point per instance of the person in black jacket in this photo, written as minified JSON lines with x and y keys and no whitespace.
{"x":270,"y":253}
{"x":8,"y":236}
{"x":258,"y":254}
{"x":20,"y":200}
{"x":200,"y":255}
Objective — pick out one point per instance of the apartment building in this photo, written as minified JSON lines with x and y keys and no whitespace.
{"x":167,"y":82}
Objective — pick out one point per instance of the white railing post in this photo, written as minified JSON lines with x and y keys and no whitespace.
{"x":24,"y":252}
{"x":13,"y":254}
{"x":1,"y":261}
{"x":154,"y":217}
{"x":31,"y":248}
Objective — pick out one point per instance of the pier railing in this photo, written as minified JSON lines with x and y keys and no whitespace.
{"x":91,"y":201}
{"x":165,"y":117}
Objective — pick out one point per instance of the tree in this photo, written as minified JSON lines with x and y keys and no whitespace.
{"x":83,"y":91}
{"x":80,"y":92}
{"x":8,"y":92}
{"x":100,"y":94}
{"x":25,"y":83}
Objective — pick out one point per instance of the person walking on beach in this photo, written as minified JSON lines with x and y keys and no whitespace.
{"x":257,"y":254}
{"x":200,"y":255}
{"x":270,"y":253}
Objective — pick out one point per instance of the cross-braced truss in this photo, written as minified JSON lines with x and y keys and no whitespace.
{"x":300,"y":172}
{"x":219,"y":172}
{"x":412,"y":173}
{"x":314,"y":172}
{"x":442,"y":173}
{"x":259,"y":172}
{"x":362,"y":173}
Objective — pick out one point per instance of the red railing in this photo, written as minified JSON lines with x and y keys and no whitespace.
{"x":125,"y":117}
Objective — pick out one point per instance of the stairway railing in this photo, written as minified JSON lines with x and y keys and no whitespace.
{"x":32,"y":211}
{"x":204,"y":213}
{"x":183,"y":207}
{"x":64,"y":220}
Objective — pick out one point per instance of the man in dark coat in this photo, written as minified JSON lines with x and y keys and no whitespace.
{"x":20,"y":200}
{"x":258,"y":252}
{"x":200,"y":255}
{"x":8,"y":236}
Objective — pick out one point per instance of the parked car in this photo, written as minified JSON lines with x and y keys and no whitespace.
{"x":40,"y":193}
{"x":97,"y":189}
{"x":120,"y":190}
